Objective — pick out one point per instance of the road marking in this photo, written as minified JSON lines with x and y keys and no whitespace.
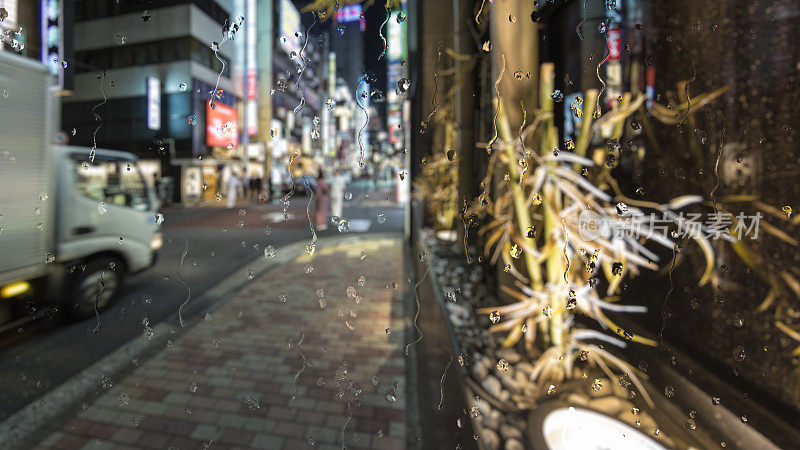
{"x":360,"y":225}
{"x":276,"y":217}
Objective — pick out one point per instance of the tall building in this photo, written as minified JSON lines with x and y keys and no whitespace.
{"x":348,"y":32}
{"x":300,"y":62}
{"x":148,"y":75}
{"x":347,"y":41}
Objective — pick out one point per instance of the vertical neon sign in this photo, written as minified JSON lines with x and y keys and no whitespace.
{"x":52,"y":19}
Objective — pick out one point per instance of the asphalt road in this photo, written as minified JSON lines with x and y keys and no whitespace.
{"x":220,"y":242}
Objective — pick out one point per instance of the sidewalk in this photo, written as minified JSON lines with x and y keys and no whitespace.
{"x":227,"y":381}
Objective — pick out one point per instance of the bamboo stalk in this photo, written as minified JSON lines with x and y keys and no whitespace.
{"x":547,"y":84}
{"x":553,"y":266}
{"x":520,"y":205}
{"x":649,"y":131}
{"x":585,"y":137}
{"x":619,"y":127}
{"x":552,"y":204}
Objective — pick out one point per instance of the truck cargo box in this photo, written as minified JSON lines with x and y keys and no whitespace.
{"x":26,"y":202}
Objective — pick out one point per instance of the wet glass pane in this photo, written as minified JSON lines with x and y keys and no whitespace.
{"x":500,"y":224}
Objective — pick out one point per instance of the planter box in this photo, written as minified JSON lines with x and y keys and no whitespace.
{"x":711,"y":424}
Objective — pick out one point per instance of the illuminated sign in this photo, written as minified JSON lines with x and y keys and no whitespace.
{"x":614,"y":37}
{"x":251,"y":113}
{"x":222,"y":125}
{"x":394,"y":122}
{"x":288,"y":26}
{"x":348,"y":14}
{"x":396,"y":38}
{"x":153,"y":103}
{"x":252,"y":84}
{"x":52,"y":24}
{"x":250,"y":53}
{"x":251,"y":79}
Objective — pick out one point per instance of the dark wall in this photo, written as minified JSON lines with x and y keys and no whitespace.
{"x":751,"y":48}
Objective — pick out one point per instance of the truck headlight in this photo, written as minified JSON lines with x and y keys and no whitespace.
{"x":157,"y":241}
{"x":14,"y":289}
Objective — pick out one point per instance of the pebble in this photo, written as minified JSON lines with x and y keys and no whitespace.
{"x":525,"y":367}
{"x":459,"y":314}
{"x":492,"y":420}
{"x":517,"y":421}
{"x":509,"y":355}
{"x":484,"y":408}
{"x":493,"y":386}
{"x":508,"y":432}
{"x":490,"y":439}
{"x":480,"y":371}
{"x":577,"y":400}
{"x":513,"y":444}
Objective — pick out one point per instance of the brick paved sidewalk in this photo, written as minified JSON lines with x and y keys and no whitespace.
{"x":228,"y":379}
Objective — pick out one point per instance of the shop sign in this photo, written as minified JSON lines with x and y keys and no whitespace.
{"x":153,"y":103}
{"x":288,"y":25}
{"x":348,"y":14}
{"x":222,"y":125}
{"x":396,"y":38}
{"x":52,"y":25}
{"x":614,"y":38}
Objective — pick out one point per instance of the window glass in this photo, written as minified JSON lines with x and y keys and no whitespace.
{"x":133,"y":186}
{"x":153,"y":53}
{"x":113,"y":182}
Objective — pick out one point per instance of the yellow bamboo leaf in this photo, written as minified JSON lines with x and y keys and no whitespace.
{"x":633,"y":337}
{"x":768,"y":300}
{"x":505,"y":326}
{"x":530,"y":335}
{"x":672,"y":116}
{"x":791,"y":281}
{"x":789,"y":331}
{"x":513,"y":337}
{"x":771,"y":210}
{"x":738,"y":198}
{"x":515,"y":293}
{"x":778,"y":233}
{"x":708,"y":254}
{"x":618,"y":115}
{"x":492,"y":239}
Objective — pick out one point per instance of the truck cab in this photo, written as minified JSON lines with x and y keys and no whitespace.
{"x":106,"y":224}
{"x":103,"y":227}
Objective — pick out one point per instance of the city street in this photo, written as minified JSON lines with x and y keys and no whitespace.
{"x":43,"y":354}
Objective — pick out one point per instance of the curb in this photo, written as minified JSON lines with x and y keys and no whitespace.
{"x":22,"y":428}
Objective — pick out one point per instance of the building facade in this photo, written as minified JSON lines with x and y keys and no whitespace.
{"x":148,"y":75}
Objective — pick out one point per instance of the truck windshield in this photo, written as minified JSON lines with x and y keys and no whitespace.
{"x":116,"y":182}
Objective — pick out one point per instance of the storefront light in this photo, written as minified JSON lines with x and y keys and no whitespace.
{"x":573,"y":428}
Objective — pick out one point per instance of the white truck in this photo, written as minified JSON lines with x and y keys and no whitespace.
{"x":70,"y":228}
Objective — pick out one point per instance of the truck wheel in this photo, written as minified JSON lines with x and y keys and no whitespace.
{"x":95,"y":286}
